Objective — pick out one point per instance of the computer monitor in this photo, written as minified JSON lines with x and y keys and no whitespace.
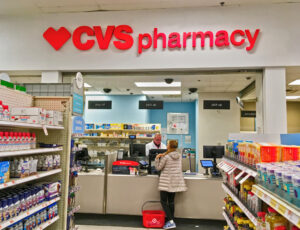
{"x":207,"y":163}
{"x":152,"y":155}
{"x":138,"y":150}
{"x":216,"y":151}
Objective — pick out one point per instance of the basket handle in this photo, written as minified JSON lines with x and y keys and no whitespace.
{"x":147,"y":202}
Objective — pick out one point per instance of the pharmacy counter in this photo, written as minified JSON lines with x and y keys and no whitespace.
{"x":126,"y":195}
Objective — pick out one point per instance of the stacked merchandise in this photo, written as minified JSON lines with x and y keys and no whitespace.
{"x":14,"y":141}
{"x":278,"y":172}
{"x":14,"y":202}
{"x":73,"y":188}
{"x":237,"y":216}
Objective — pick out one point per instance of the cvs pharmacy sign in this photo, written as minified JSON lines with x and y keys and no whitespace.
{"x":121,"y":37}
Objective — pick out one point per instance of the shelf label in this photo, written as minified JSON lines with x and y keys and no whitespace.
{"x":260,"y":194}
{"x":281,"y":209}
{"x":273,"y":203}
{"x":45,"y":130}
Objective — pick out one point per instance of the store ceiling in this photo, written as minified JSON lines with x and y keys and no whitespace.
{"x":59,"y":6}
{"x":220,"y":82}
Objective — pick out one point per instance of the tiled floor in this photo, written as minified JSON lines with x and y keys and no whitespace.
{"x":117,"y":222}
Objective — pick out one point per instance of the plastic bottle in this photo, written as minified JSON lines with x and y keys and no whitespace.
{"x":261,"y":225}
{"x":17,"y":141}
{"x":280,"y":228}
{"x":33,"y":141}
{"x":6,"y":114}
{"x":29,"y":140}
{"x":5,"y":209}
{"x":12,"y":141}
{"x":1,"y":211}
{"x":26,"y":141}
{"x":271,"y":183}
{"x":1,"y":141}
{"x":6,"y":142}
{"x":1,"y":110}
{"x":273,"y":219}
{"x":22,"y":201}
{"x":288,"y":186}
{"x":17,"y":205}
{"x":10,"y":207}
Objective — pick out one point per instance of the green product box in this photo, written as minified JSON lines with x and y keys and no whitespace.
{"x":7,"y":84}
{"x":20,"y":88}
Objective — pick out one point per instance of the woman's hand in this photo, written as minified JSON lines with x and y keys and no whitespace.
{"x":159,"y":156}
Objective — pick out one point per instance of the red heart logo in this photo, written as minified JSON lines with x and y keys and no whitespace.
{"x":57,"y":38}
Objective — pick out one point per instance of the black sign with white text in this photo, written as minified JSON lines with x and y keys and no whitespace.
{"x":151,"y":104}
{"x":248,"y":113}
{"x":99,"y":105}
{"x":208,"y":104}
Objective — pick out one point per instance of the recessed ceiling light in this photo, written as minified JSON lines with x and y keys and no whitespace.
{"x":161,"y":92}
{"x":296,"y":82}
{"x":86,"y":85}
{"x":158,"y":84}
{"x":292,"y":97}
{"x":92,"y":92}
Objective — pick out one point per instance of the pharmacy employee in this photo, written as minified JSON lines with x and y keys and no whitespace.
{"x":155,"y":144}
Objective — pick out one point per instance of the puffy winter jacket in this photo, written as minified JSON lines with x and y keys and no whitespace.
{"x":171,"y":177}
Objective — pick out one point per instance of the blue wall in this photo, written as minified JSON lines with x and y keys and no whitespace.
{"x":160,"y":116}
{"x":125,"y":109}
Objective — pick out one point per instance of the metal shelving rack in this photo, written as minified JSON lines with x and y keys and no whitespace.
{"x":48,"y":134}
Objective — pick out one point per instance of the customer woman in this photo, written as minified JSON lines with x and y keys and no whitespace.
{"x":171,"y":180}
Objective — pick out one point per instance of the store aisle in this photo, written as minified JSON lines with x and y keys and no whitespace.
{"x":119,"y":222}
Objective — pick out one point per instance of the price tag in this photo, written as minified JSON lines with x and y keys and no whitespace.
{"x":45,"y":130}
{"x":239,"y":175}
{"x":260,"y":194}
{"x":298,"y":224}
{"x":289,"y":214}
{"x":11,"y":221}
{"x":281,"y":209}
{"x":5,"y":185}
{"x":273,"y":203}
{"x":27,"y":213}
{"x":13,"y":182}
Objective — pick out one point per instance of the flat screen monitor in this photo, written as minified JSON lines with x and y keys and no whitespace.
{"x":154,"y":152}
{"x":207,"y":163}
{"x":213,"y":151}
{"x":138,"y":150}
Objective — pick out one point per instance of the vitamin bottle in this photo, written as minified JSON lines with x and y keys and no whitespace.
{"x":6,"y":115}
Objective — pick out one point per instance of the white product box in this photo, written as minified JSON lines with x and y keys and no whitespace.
{"x":26,"y":119}
{"x":36,"y":115}
{"x":54,"y":118}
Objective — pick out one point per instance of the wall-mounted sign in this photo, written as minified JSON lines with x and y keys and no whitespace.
{"x":78,"y":125}
{"x":121,"y":38}
{"x":151,"y":104}
{"x":77,"y":104}
{"x":245,"y":113}
{"x":178,"y":123}
{"x":99,"y":105}
{"x":213,"y":104}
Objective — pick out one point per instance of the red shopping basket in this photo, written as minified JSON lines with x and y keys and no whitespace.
{"x":153,"y":218}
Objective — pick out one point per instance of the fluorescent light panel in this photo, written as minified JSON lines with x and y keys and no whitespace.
{"x":296,"y":82}
{"x":292,"y":97}
{"x":161,"y":92}
{"x":158,"y":84}
{"x":86,"y":85}
{"x":92,"y":92}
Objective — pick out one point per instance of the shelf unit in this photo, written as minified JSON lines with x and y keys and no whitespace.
{"x":30,"y":152}
{"x":75,"y":209}
{"x":48,"y":223}
{"x":116,"y":138}
{"x":228,"y":221}
{"x":228,"y":164}
{"x":28,"y":213}
{"x":28,"y":125}
{"x":122,"y":130}
{"x":240,"y":204}
{"x":286,"y":209}
{"x":39,"y":175}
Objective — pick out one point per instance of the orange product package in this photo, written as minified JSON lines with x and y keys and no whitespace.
{"x":270,"y":153}
{"x":290,"y":153}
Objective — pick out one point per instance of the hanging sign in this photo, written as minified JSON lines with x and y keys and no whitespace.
{"x":245,"y":113}
{"x":151,"y":104}
{"x":213,"y":104}
{"x":99,"y":104}
{"x":78,"y":125}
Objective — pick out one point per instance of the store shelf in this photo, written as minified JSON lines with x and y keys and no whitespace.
{"x":75,"y":209}
{"x":116,"y":138}
{"x":289,"y":211}
{"x":122,"y":130}
{"x":240,"y":204}
{"x":28,"y":213}
{"x":48,"y":223}
{"x":228,"y":221}
{"x":228,"y":165}
{"x":30,"y":152}
{"x":14,"y":182}
{"x":27,"y":125}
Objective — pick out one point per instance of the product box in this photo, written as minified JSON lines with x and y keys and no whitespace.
{"x":36,"y":115}
{"x":4,"y":172}
{"x":27,"y":119}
